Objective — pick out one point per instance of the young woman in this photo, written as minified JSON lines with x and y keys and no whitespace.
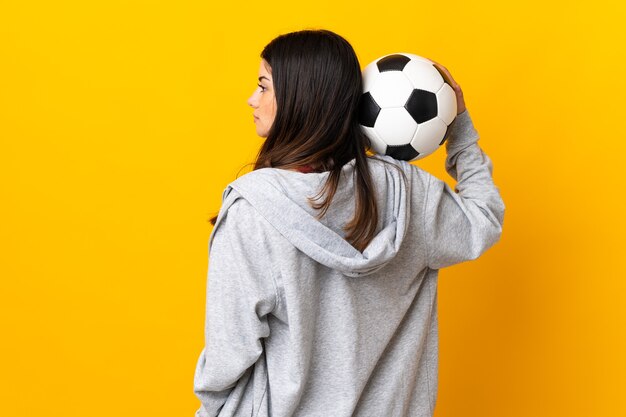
{"x":330,"y":309}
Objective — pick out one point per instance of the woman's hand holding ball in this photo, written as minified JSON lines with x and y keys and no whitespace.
{"x":460,"y":102}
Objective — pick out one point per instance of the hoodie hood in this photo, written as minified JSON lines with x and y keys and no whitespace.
{"x":280,"y":196}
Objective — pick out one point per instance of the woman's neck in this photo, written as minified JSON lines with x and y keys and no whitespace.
{"x":304,"y":168}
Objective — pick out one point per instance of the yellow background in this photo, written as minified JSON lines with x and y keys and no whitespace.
{"x":122,"y":122}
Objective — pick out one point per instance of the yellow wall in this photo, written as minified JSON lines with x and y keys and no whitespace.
{"x":121,"y":123}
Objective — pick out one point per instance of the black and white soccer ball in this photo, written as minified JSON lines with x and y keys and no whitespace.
{"x":406,"y":106}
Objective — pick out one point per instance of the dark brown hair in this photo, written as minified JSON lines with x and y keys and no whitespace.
{"x":318,"y":84}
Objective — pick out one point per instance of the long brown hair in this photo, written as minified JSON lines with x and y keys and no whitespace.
{"x":318,"y":86}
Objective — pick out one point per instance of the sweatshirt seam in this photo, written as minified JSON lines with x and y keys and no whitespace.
{"x":265,"y":385}
{"x":427,"y":240}
{"x":428,"y":370}
{"x":276,"y":298}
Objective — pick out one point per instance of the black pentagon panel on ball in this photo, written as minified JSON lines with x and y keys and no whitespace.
{"x":395,"y":62}
{"x":368,"y":110}
{"x":402,"y":152}
{"x":422,"y":105}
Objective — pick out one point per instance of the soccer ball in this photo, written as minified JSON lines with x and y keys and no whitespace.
{"x":406,"y":106}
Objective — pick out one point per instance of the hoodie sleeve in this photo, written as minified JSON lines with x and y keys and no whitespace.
{"x":463,"y":223}
{"x":240,"y":294}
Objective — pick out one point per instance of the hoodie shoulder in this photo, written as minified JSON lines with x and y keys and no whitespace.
{"x":238,"y":209}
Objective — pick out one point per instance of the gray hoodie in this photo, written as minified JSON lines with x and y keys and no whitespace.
{"x":300,"y":323}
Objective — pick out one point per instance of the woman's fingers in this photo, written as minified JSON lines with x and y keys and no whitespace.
{"x":446,"y":75}
{"x":455,"y":86}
